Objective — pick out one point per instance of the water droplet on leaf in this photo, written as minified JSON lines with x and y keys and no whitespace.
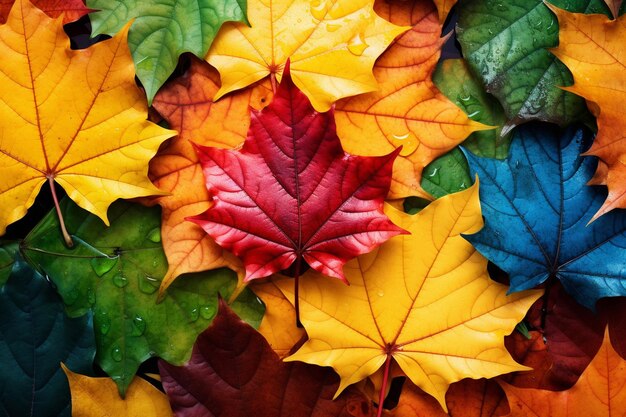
{"x":207,"y":312}
{"x":408,"y":141}
{"x":139,"y":326}
{"x":148,"y":284}
{"x":154,"y":235}
{"x":103,"y":264}
{"x":357,"y":45}
{"x":120,"y":281}
{"x":116,"y":353}
{"x":318,"y":9}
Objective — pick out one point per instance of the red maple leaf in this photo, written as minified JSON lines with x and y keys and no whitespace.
{"x":293,"y":194}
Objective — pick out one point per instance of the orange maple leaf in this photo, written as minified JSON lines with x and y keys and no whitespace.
{"x":592,"y":47}
{"x":600,"y":391}
{"x":70,"y":9}
{"x":407,"y":109}
{"x":187,"y":104}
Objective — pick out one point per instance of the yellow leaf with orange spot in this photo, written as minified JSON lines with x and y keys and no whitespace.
{"x":592,"y":47}
{"x":331,"y":46}
{"x":411,"y":301}
{"x":188,"y":107}
{"x":75,"y":117}
{"x":408,"y":110}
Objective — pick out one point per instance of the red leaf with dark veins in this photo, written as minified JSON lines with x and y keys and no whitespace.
{"x":233,"y":372}
{"x":292,"y":193}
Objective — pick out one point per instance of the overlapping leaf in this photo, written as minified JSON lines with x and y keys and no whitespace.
{"x":592,"y":47}
{"x":539,"y":195}
{"x":413,"y":299}
{"x":293,"y":194}
{"x":443,"y":8}
{"x":600,"y":391}
{"x":234,"y":372}
{"x":407,"y":109}
{"x":70,"y":9}
{"x":456,"y":81}
{"x":8,"y":250}
{"x":98,"y":151}
{"x":163,"y":30}
{"x":187,"y":105}
{"x":98,"y":397}
{"x":35,"y":336}
{"x":115,"y":272}
{"x":505,"y":44}
{"x":277,"y":325}
{"x":331,"y":46}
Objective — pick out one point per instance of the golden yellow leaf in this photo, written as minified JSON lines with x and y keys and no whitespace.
{"x":278,"y":324}
{"x":592,"y":47}
{"x":331,"y":46}
{"x":187,"y":105}
{"x":424,"y":300}
{"x":98,"y":397}
{"x":74,"y":117}
{"x":408,"y":109}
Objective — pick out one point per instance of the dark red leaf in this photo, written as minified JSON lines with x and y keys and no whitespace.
{"x":292,"y":192}
{"x":233,"y":372}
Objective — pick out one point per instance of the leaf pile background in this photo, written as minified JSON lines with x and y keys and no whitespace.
{"x":460,"y":165}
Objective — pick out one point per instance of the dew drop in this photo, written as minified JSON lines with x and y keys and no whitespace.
{"x":120,"y":281}
{"x":154,"y":235}
{"x":91,"y":296}
{"x":116,"y":353}
{"x":381,"y":293}
{"x":103,"y":322}
{"x":194,"y":314}
{"x":464,"y":97}
{"x":331,"y":27}
{"x":434,"y":172}
{"x":357,"y":45}
{"x":148,"y":284}
{"x":207,"y":312}
{"x":103,"y":264}
{"x":139,"y":326}
{"x":319,"y":9}
{"x":408,"y":141}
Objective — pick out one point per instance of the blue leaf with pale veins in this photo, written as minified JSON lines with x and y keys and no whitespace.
{"x":537,"y":207}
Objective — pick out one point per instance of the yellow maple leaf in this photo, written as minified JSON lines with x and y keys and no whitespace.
{"x":278,"y":321}
{"x":592,"y":47}
{"x":424,"y":300}
{"x":331,"y":46}
{"x":98,"y":397}
{"x":408,"y":110}
{"x":71,"y":116}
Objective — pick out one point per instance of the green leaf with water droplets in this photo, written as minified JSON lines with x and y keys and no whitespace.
{"x":447,"y":174}
{"x":455,"y":80}
{"x":505,"y":41}
{"x":163,"y":30}
{"x":7,"y":258}
{"x":35,"y":337}
{"x":116,"y":272}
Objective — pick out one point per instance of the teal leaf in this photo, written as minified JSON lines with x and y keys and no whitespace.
{"x":35,"y":337}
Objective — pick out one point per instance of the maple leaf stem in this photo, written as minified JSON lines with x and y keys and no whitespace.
{"x":66,"y":235}
{"x":383,"y":387}
{"x":273,"y":81}
{"x":297,"y":291}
